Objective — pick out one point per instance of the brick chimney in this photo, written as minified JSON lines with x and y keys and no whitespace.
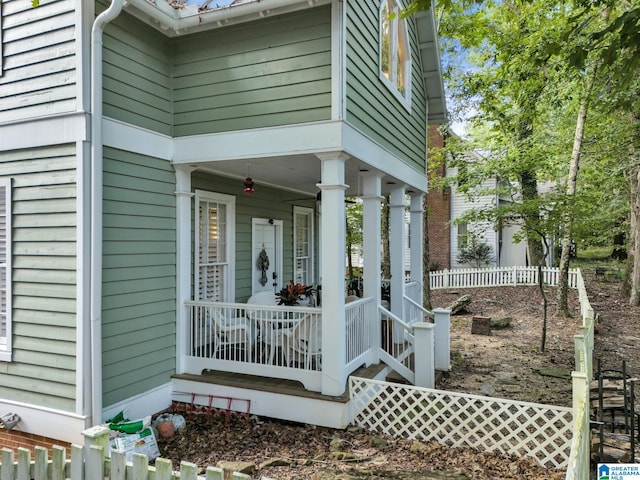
{"x":438,"y":208}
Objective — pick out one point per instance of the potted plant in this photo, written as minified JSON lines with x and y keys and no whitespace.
{"x":292,"y":293}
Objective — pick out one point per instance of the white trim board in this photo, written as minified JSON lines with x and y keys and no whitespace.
{"x":139,"y":406}
{"x":55,"y":424}
{"x":54,"y":130}
{"x":135,"y":139}
{"x":359,"y":145}
{"x":308,"y":138}
{"x":265,"y":142}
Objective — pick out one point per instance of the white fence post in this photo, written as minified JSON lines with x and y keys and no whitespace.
{"x":445,"y":278}
{"x":442,"y":322}
{"x":96,"y":447}
{"x":97,"y":436}
{"x":424,"y":354}
{"x":578,"y":467}
{"x":214,"y":473}
{"x":6,"y":470}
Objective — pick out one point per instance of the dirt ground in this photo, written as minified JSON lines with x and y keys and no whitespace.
{"x":506,"y":364}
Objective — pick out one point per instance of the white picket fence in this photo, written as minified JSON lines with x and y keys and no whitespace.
{"x":578,"y":467}
{"x":498,"y":277}
{"x":460,"y":419}
{"x":91,"y":462}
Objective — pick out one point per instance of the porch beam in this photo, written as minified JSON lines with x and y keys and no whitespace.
{"x":416,"y":225}
{"x":183,"y":259}
{"x":371,"y":255}
{"x":333,"y":252}
{"x":396,"y":248}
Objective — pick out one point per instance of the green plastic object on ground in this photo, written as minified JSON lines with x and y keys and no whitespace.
{"x":130,"y":426}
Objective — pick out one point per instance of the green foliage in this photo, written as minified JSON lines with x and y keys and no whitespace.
{"x":475,"y":252}
{"x":521,"y":67}
{"x":354,"y":213}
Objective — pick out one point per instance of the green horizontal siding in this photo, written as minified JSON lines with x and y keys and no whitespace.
{"x":371,"y":106}
{"x":57,"y":391}
{"x":44,"y":277}
{"x":137,"y":74}
{"x":38,"y":59}
{"x":273,"y":72}
{"x":139,"y":290}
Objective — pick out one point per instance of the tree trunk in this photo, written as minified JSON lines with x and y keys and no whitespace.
{"x":632,"y":278}
{"x":545,"y":303}
{"x":386,"y":256}
{"x":350,"y":260}
{"x":426,"y":283}
{"x":567,"y":220}
{"x":529,"y":185}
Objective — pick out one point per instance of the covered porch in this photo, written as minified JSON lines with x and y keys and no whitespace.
{"x":284,"y":342}
{"x":316,"y":346}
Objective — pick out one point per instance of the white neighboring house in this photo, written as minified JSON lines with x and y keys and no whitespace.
{"x":506,"y":252}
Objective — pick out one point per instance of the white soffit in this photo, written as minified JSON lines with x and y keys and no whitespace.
{"x":183,"y":17}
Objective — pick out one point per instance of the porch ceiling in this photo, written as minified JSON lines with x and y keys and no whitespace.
{"x":298,"y":173}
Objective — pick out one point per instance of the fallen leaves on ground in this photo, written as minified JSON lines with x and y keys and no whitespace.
{"x":509,"y":361}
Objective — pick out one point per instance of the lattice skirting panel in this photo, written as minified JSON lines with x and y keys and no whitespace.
{"x":457,"y":419}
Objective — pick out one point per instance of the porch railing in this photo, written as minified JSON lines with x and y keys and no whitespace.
{"x":358,"y":331}
{"x":275,"y":341}
{"x":397,"y":344}
{"x":413,"y":290}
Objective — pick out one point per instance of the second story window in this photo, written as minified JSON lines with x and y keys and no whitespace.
{"x":395,"y":58}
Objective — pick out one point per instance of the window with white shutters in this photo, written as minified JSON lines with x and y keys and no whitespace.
{"x":5,"y":270}
{"x":303,"y":244}
{"x":214,"y":247}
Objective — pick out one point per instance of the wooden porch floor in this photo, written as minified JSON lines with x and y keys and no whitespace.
{"x":274,"y":385}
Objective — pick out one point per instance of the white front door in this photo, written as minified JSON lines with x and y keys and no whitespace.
{"x":266,"y":256}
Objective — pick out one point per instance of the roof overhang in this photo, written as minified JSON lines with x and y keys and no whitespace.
{"x":176,"y":21}
{"x":429,"y":48}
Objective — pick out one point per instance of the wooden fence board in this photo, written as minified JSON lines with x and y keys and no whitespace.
{"x":24,"y":464}
{"x":6,"y":470}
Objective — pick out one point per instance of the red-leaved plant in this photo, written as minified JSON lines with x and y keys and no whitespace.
{"x":293,"y":292}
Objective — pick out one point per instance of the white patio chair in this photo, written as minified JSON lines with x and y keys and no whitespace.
{"x":270,"y":336}
{"x":232,"y":332}
{"x":263,"y":298}
{"x":303,"y":343}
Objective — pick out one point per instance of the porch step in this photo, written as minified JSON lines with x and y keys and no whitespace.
{"x":395,"y":377}
{"x":275,"y":385}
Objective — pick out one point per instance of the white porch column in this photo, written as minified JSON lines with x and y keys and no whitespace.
{"x":396,"y":249}
{"x":183,"y":259}
{"x":371,"y":255}
{"x":415,"y":221}
{"x":333,"y":251}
